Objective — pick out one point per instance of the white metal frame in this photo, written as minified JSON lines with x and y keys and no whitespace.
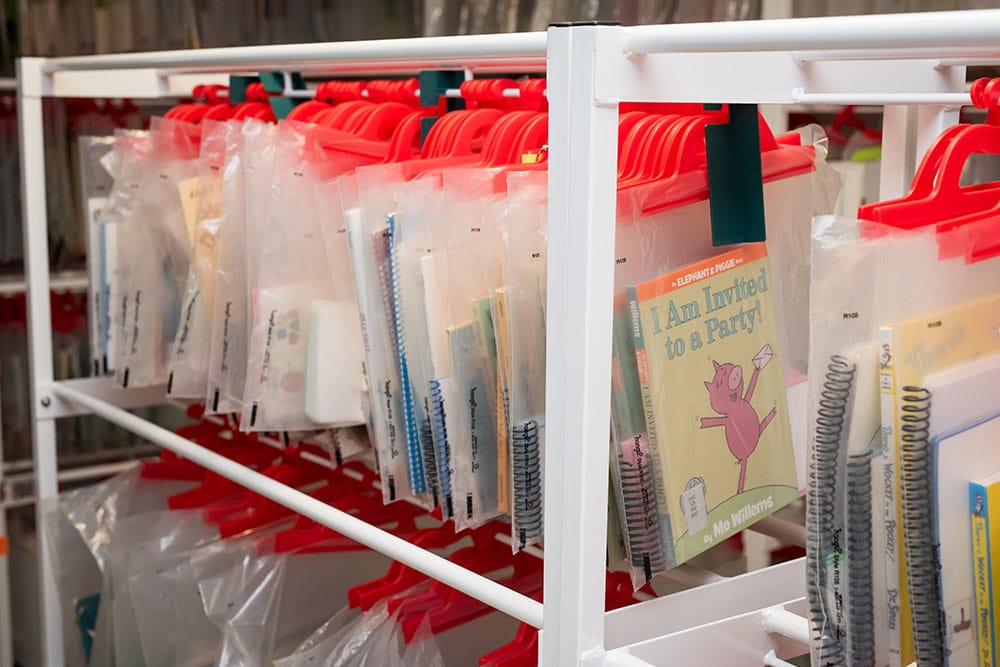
{"x":915,"y":64}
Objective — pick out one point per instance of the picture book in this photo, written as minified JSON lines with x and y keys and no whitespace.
{"x":910,"y":350}
{"x":984,"y":509}
{"x":713,"y":391}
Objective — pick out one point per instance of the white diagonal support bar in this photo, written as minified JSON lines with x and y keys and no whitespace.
{"x":581,"y":240}
{"x":486,"y":590}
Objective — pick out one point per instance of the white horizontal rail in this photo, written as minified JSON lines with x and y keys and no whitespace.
{"x":932,"y":33}
{"x":74,"y":281}
{"x":468,"y":49}
{"x":486,"y":590}
{"x":961,"y":99}
{"x":780,"y":621}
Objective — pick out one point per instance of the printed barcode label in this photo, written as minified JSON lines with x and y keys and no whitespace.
{"x":253,"y":415}
{"x":694,"y":508}
{"x":215,"y":401}
{"x":392,"y":488}
{"x":468,"y":505}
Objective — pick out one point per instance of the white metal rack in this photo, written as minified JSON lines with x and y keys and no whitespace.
{"x":913,"y":64}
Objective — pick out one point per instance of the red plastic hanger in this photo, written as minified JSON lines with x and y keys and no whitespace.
{"x":448,"y":608}
{"x":400,"y":578}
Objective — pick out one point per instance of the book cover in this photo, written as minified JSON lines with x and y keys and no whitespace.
{"x":911,"y":350}
{"x":895,"y":613}
{"x":984,"y":508}
{"x":710,"y":373}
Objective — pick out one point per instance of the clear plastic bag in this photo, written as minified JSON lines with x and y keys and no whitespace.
{"x":288,"y":279}
{"x":126,"y":164}
{"x":81,"y":527}
{"x":469,"y":217}
{"x":522,"y":305}
{"x":368,"y":202}
{"x":154,"y":250}
{"x":201,"y":200}
{"x":163,"y":585}
{"x":413,"y":246}
{"x":652,"y":240}
{"x":336,"y":386}
{"x":373,"y":638}
{"x":140,"y":539}
{"x":246,"y":188}
{"x":268,"y":605}
{"x":842,"y":323}
{"x":95,"y":191}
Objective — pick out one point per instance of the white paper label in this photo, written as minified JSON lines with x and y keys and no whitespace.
{"x":695,"y":510}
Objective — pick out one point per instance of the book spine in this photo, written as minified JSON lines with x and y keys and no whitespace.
{"x":892,"y":614}
{"x":642,"y":364}
{"x":982,"y":566}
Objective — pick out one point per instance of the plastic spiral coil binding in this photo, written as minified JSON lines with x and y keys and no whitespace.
{"x":919,"y":535}
{"x":430,"y":470}
{"x":442,"y":453}
{"x":526,"y":460}
{"x":642,"y":520}
{"x":821,"y":506}
{"x":860,"y":602}
{"x":418,"y":474}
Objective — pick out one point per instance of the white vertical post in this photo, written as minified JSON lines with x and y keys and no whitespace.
{"x":898,"y":155}
{"x":583,"y":129}
{"x":932,"y":120}
{"x":36,"y":266}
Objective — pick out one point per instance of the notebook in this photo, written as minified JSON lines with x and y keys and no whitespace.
{"x":963,"y":395}
{"x":713,"y":389}
{"x":910,"y":351}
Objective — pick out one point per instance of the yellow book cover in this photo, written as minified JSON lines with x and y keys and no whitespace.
{"x":500,"y":326}
{"x":911,"y":349}
{"x":713,"y":391}
{"x":984,"y":507}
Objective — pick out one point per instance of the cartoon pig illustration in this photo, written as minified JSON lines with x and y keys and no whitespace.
{"x":739,"y":418}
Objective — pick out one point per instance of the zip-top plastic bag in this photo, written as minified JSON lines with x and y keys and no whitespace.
{"x":246,"y":189}
{"x":467,"y":220}
{"x":201,"y":201}
{"x":153,"y":249}
{"x":95,"y":190}
{"x":521,"y":320}
{"x":421,"y":299}
{"x":336,"y":389}
{"x":81,"y":527}
{"x":125,"y":163}
{"x":843,"y":349}
{"x":270,"y":603}
{"x":289,"y":276}
{"x":368,"y":200}
{"x":373,"y":638}
{"x":665,"y":226}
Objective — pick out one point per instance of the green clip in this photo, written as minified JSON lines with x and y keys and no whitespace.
{"x":735,"y":177}
{"x":433,"y":84}
{"x":238,"y":88}
{"x":274,"y":82}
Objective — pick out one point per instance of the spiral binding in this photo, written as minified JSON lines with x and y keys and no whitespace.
{"x":526,"y":460}
{"x":642,"y":519}
{"x":919,"y":535}
{"x":417,"y":480}
{"x":821,"y":504}
{"x":860,"y":602}
{"x":439,"y":438}
{"x":430,"y":470}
